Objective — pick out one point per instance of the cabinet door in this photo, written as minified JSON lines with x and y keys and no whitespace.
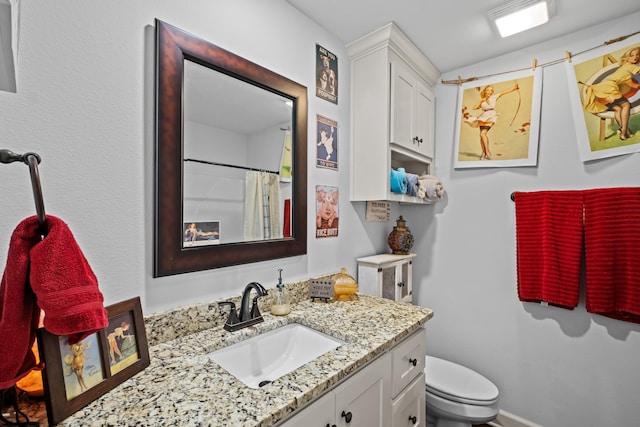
{"x":409,"y":408}
{"x":425,"y":120}
{"x":389,"y":283}
{"x":405,"y":287}
{"x":365,"y":399}
{"x":320,"y":413}
{"x":403,"y":92}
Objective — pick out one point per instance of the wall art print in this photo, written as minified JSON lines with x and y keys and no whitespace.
{"x":326,"y":75}
{"x":327,"y":212}
{"x":605,"y":101}
{"x":498,"y":121}
{"x":75,"y":375}
{"x":327,"y":145}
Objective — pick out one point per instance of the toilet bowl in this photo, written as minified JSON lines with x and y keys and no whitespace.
{"x":457,"y":396}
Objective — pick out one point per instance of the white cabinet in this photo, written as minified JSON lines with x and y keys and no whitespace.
{"x":390,"y":391}
{"x":392,"y":113}
{"x":412,"y":111}
{"x":361,"y":401}
{"x":387,"y":275}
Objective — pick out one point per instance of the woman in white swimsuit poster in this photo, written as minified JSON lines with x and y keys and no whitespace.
{"x":497,"y":122}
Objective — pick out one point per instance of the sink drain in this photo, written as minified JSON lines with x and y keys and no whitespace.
{"x":263,"y":383}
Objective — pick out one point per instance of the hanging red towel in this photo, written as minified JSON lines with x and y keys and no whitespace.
{"x":549,"y":246}
{"x":612,"y":252}
{"x":50,"y":274}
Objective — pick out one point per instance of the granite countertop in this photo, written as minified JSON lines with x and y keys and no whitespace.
{"x":183,"y":387}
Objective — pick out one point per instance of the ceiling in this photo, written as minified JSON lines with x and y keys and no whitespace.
{"x":455,"y":33}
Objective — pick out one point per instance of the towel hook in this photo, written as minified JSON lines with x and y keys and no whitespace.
{"x":30,"y":159}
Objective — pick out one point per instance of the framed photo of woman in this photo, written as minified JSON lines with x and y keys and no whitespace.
{"x":77,"y":374}
{"x":498,"y":121}
{"x":605,"y":99}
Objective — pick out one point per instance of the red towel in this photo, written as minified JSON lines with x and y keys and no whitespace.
{"x":50,"y":274}
{"x":549,"y":246}
{"x":612,"y":252}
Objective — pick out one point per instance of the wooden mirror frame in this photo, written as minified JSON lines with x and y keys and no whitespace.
{"x":173,"y":46}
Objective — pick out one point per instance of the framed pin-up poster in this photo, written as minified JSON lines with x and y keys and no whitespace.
{"x":76,"y":374}
{"x":605,"y":100}
{"x":498,"y":120}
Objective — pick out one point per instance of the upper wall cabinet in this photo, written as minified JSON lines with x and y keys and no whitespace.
{"x":392,"y":117}
{"x":9,"y":15}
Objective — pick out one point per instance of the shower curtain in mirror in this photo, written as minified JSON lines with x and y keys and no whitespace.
{"x":261,"y":206}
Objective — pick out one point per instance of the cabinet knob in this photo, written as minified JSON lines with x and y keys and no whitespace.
{"x":347,"y":416}
{"x":414,"y":362}
{"x":329,"y":425}
{"x":401,"y":284}
{"x":413,"y":420}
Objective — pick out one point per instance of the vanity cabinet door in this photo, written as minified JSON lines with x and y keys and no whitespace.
{"x":364,"y":400}
{"x":321,"y":413}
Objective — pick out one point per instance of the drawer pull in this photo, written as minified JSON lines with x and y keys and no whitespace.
{"x":414,"y":362}
{"x":413,"y":420}
{"x":347,"y":416}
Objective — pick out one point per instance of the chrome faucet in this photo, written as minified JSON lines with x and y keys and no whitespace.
{"x":249,"y":312}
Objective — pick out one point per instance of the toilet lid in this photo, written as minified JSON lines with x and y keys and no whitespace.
{"x":458,"y":383}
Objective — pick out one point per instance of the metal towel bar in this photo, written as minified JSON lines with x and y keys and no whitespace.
{"x":32,"y":160}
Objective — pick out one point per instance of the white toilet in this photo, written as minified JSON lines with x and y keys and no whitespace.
{"x":457,"y":396}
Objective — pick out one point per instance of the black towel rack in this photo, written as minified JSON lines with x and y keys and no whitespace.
{"x":31,"y":160}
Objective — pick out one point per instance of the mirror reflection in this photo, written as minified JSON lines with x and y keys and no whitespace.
{"x":237,"y":160}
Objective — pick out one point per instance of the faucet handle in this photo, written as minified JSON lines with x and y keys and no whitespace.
{"x":233,"y":315}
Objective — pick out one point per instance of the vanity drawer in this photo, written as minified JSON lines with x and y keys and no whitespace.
{"x":407,"y":361}
{"x":409,"y":408}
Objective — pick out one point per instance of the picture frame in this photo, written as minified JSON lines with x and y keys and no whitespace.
{"x":74,"y":376}
{"x":326,"y":75}
{"x":327,"y":143}
{"x":200,"y":233}
{"x":327,"y":211}
{"x":508,"y":135}
{"x":597,"y":87}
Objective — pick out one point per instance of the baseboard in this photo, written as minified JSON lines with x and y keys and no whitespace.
{"x":505,"y":419}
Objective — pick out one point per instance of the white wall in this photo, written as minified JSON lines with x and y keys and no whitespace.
{"x":85,"y":104}
{"x":555,"y":367}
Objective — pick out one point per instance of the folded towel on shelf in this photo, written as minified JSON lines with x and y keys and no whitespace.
{"x":612,"y":248}
{"x":412,"y":184}
{"x":51,"y":274}
{"x":433,"y":188}
{"x":549,"y":246}
{"x":398,"y":181}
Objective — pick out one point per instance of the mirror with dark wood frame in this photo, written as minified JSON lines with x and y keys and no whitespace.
{"x":176,"y":52}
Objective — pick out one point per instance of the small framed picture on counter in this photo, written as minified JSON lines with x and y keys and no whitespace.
{"x":77,"y":374}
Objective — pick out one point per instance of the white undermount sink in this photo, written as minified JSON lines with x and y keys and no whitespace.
{"x":266,"y":357}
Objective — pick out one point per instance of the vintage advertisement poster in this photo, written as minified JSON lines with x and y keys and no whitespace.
{"x":498,"y":121}
{"x":326,"y":211}
{"x":326,"y":75}
{"x":327,"y":145}
{"x":605,"y":102}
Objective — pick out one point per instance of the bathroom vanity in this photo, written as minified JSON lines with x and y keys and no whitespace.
{"x":182,"y":386}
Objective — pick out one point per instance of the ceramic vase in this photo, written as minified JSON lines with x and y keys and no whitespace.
{"x":400,"y":239}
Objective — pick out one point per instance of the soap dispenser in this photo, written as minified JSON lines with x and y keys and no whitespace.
{"x":281,"y":306}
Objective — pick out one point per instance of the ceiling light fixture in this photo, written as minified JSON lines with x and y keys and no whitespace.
{"x":521,"y":15}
